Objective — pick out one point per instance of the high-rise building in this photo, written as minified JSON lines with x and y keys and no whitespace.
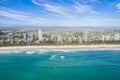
{"x":103,"y":38}
{"x":53,"y":38}
{"x":10,"y":39}
{"x":25,"y":37}
{"x":40,"y":35}
{"x":59,"y":38}
{"x":117,"y":37}
{"x":107,"y":37}
{"x":85,"y":36}
{"x":31,"y":37}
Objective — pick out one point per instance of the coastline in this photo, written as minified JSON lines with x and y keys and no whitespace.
{"x":65,"y":47}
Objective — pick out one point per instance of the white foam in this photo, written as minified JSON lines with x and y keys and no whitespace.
{"x":52,"y":57}
{"x":17,"y":51}
{"x":5,"y":52}
{"x":54,"y":50}
{"x":42,"y":51}
{"x":62,"y":57}
{"x":30,"y":52}
{"x":72,"y":50}
{"x":92,"y":49}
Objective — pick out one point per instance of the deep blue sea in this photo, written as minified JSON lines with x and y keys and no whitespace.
{"x":60,"y":65}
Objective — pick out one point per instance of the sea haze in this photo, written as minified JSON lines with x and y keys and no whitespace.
{"x":60,"y":27}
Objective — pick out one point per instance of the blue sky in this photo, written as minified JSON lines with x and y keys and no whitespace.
{"x":60,"y":12}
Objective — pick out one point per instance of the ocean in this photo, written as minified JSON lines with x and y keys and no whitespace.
{"x":60,"y":65}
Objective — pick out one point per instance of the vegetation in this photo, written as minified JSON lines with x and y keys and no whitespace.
{"x":58,"y":44}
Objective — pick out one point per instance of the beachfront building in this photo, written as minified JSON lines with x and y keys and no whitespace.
{"x":107,"y":37}
{"x":54,"y":38}
{"x":80,"y":40}
{"x":85,"y":35}
{"x":40,"y":35}
{"x":25,"y":37}
{"x":103,"y":38}
{"x":10,"y":38}
{"x":31,"y":37}
{"x":1,"y":41}
{"x":117,"y":37}
{"x":59,"y":38}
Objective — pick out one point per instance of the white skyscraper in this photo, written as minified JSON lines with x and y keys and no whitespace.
{"x":25,"y":36}
{"x":59,"y":38}
{"x":86,"y":36}
{"x":103,"y":38}
{"x":40,"y":35}
{"x":10,"y":37}
{"x":117,"y":37}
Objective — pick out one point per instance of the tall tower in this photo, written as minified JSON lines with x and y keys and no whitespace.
{"x":59,"y":38}
{"x":11,"y":37}
{"x":116,"y":37}
{"x":25,"y":36}
{"x":40,"y":35}
{"x":86,"y":36}
{"x":31,"y":37}
{"x":103,"y":38}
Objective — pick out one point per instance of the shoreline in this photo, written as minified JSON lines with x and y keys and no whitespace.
{"x":65,"y":47}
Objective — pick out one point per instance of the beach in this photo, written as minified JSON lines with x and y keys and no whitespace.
{"x":64,"y":47}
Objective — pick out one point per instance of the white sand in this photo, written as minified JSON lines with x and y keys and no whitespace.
{"x":65,"y":47}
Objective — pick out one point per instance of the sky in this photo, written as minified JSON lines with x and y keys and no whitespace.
{"x":60,"y":12}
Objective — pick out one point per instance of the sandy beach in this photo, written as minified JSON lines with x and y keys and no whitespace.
{"x":65,"y":47}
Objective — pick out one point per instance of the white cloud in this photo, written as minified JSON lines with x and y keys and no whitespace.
{"x":36,"y":2}
{"x":4,"y":1}
{"x":91,"y":1}
{"x":64,"y":9}
{"x":12,"y":14}
{"x":23,"y":16}
{"x":54,"y":8}
{"x":61,"y":10}
{"x":86,"y":1}
{"x":82,"y":8}
{"x":118,"y":6}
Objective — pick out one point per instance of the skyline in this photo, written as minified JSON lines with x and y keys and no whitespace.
{"x":60,"y":12}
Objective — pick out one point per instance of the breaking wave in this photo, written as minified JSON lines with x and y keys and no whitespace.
{"x":52,"y":57}
{"x":49,"y":51}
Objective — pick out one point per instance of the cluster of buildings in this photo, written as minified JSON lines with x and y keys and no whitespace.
{"x":61,"y":37}
{"x":21,"y":37}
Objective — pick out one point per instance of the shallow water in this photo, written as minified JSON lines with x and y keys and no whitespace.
{"x":60,"y":65}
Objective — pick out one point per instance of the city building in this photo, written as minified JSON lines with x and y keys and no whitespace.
{"x":59,"y":38}
{"x":40,"y":35}
{"x":117,"y":37}
{"x":103,"y":38}
{"x":31,"y":37}
{"x":10,"y":38}
{"x":25,"y":37}
{"x":54,"y":38}
{"x":85,"y":35}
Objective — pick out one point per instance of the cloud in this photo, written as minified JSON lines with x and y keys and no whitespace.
{"x":36,"y":2}
{"x":64,"y":9}
{"x":86,"y":1}
{"x":54,"y":8}
{"x":23,"y":16}
{"x":118,"y":6}
{"x":4,"y":1}
{"x":6,"y":12}
{"x":58,"y":10}
{"x":82,"y":8}
{"x":91,"y":1}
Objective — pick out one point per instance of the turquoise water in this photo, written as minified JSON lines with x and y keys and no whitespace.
{"x":60,"y":65}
